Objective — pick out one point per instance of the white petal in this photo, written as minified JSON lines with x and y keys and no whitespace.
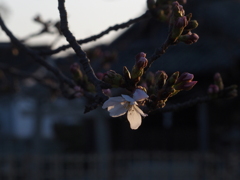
{"x":134,"y":118}
{"x":139,"y":95}
{"x":136,"y":108}
{"x":129,"y":99}
{"x":117,"y":110}
{"x":112,"y":101}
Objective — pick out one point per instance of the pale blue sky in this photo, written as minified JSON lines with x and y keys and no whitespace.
{"x":86,"y":17}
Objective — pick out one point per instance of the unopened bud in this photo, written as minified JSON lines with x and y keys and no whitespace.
{"x":107,"y":92}
{"x":181,"y":22}
{"x":78,"y":92}
{"x":141,"y":60}
{"x":99,"y":75}
{"x":149,"y":79}
{"x":178,"y":10}
{"x":172,"y":79}
{"x":160,"y":79}
{"x":138,"y":68}
{"x":184,"y":82}
{"x":188,"y":85}
{"x":218,"y":81}
{"x":213,"y":89}
{"x":185,"y":77}
{"x":193,"y":24}
{"x":113,"y":78}
{"x":189,"y":38}
{"x":77,"y":73}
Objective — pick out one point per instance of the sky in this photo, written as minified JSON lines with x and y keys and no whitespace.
{"x":86,"y":17}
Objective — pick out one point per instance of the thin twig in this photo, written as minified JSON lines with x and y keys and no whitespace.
{"x":95,"y":37}
{"x":189,"y":103}
{"x":100,"y":97}
{"x":36,"y":57}
{"x":16,"y":72}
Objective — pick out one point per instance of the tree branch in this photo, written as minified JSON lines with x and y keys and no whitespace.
{"x":36,"y":57}
{"x":95,"y":37}
{"x":19,"y":73}
{"x":100,"y":97}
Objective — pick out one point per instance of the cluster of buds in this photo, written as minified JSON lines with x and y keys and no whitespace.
{"x":181,"y":25}
{"x":113,"y":78}
{"x":161,"y":87}
{"x":161,"y":9}
{"x":128,"y":80}
{"x":217,"y":89}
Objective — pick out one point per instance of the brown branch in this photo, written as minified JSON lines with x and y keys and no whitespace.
{"x":100,"y":97}
{"x":36,"y":57}
{"x":189,"y":103}
{"x":95,"y":37}
{"x":159,"y":52}
{"x":16,"y":72}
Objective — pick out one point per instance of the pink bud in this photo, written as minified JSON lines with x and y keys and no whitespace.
{"x":74,"y":67}
{"x":138,"y":56}
{"x":78,"y":91}
{"x":188,"y":85}
{"x":217,"y":77}
{"x":213,"y":88}
{"x":107,"y":92}
{"x":185,"y":77}
{"x":181,"y":22}
{"x":194,"y":37}
{"x":99,"y":75}
{"x":189,"y":38}
{"x":142,"y":63}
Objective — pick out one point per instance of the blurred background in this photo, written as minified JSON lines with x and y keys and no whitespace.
{"x":45,"y":136}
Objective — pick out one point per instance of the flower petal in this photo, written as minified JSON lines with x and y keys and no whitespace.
{"x":137,"y":109}
{"x":139,"y":95}
{"x":129,"y":99}
{"x":118,"y":109}
{"x":112,"y":101}
{"x":134,"y":118}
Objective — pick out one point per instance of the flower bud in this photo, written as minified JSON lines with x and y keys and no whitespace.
{"x":188,"y":85}
{"x":78,"y":92}
{"x":113,"y":78}
{"x":213,"y":89}
{"x":184,"y":82}
{"x":172,"y":79}
{"x":99,"y":75}
{"x":141,"y":61}
{"x":149,"y":79}
{"x":181,"y":22}
{"x":160,"y":79}
{"x":138,"y":68}
{"x":77,"y":73}
{"x":193,"y":24}
{"x":185,"y":77}
{"x":177,"y":9}
{"x":107,"y":92}
{"x":218,"y":81}
{"x":232,"y":93}
{"x":189,"y":38}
